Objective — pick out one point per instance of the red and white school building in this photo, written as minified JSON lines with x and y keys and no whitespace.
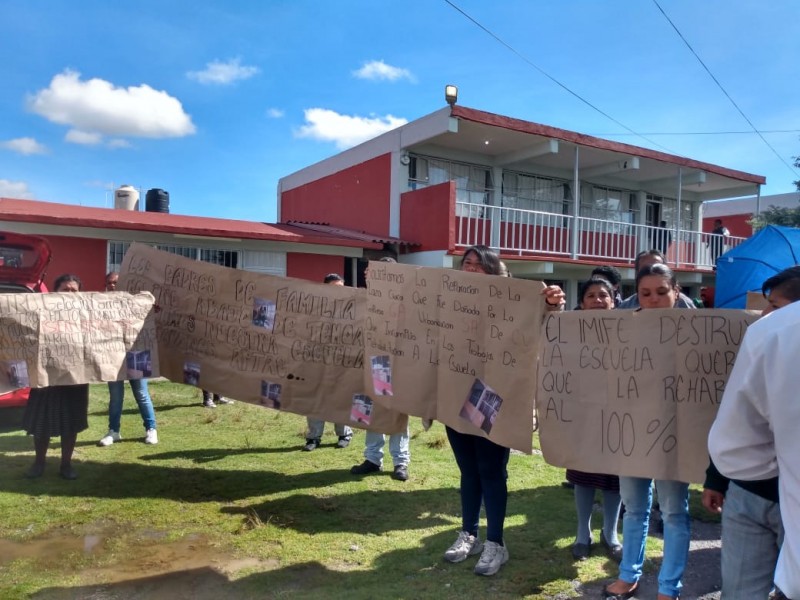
{"x":554,"y":203}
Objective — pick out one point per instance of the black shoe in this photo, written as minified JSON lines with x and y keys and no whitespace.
{"x":581,"y":551}
{"x":614,"y":550}
{"x":365,"y":468}
{"x":622,"y":595}
{"x":311,"y":445}
{"x":344,"y":441}
{"x":35,"y":471}
{"x":400,"y":473}
{"x":68,"y":473}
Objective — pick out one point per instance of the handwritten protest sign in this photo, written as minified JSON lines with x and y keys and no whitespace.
{"x":635,"y":392}
{"x":454,"y":346}
{"x":68,"y":338}
{"x":281,"y":343}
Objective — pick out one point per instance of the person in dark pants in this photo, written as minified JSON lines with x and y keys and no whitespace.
{"x":482,"y":462}
{"x":57,"y":410}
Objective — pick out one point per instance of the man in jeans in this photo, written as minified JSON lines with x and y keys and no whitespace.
{"x":373,"y":453}
{"x":398,"y":442}
{"x":116,"y":391}
{"x":316,"y":426}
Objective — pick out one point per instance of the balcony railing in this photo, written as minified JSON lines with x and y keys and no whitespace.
{"x":541,"y":234}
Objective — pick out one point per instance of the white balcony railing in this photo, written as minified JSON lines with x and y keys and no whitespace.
{"x":533,"y":233}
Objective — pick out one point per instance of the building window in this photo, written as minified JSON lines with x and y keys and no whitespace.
{"x":608,"y":204}
{"x":474,"y":183}
{"x":225,"y":258}
{"x":669,"y":212}
{"x":529,"y":192}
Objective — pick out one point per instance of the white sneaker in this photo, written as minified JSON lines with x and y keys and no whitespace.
{"x":151,"y":436}
{"x":494,"y":556}
{"x":109,"y":438}
{"x":466,"y":545}
{"x":224,"y":400}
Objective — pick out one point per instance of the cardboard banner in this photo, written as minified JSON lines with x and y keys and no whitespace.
{"x":456,"y":347}
{"x":68,"y":338}
{"x":635,"y":392}
{"x":277,"y":342}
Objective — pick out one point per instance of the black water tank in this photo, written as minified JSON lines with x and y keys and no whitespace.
{"x":157,"y":200}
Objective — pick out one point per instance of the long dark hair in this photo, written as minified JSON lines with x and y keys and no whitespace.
{"x":488,"y":259}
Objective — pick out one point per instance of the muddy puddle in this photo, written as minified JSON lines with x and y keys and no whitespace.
{"x":146,"y":565}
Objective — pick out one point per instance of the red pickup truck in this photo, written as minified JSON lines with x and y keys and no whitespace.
{"x":23,"y":263}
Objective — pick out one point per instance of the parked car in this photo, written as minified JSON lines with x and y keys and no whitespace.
{"x":23,"y":263}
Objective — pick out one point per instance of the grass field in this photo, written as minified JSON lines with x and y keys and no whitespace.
{"x":227,"y":506}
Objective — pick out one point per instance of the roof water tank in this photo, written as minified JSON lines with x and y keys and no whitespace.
{"x":156,"y":200}
{"x":126,"y":197}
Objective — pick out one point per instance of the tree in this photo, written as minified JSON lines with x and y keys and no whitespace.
{"x":775,"y":215}
{"x":797,"y":165}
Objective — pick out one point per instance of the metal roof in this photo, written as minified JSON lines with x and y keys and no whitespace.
{"x":350,"y":233}
{"x":70,"y":215}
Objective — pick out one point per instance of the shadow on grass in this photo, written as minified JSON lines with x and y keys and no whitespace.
{"x":417,"y":572}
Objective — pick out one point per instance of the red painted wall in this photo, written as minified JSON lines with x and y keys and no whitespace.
{"x":355,"y":198}
{"x":313,"y":267}
{"x":427,"y":216}
{"x":83,"y":257}
{"x":736,"y":224}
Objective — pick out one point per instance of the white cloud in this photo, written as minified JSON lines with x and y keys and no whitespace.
{"x":96,"y":107}
{"x":223,"y":73}
{"x":85,"y":138}
{"x":25,"y":146}
{"x":103,"y":185}
{"x":275,"y":113}
{"x":345,"y":131}
{"x":14,"y":189}
{"x":118,"y":143}
{"x":377,"y":70}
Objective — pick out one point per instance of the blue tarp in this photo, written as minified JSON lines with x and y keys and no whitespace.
{"x":746,"y":267}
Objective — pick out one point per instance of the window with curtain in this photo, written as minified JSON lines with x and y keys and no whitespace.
{"x":474,"y":183}
{"x":530,"y":192}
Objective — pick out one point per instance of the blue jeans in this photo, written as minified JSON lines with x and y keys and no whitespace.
{"x":483,"y":480}
{"x":316,"y":427}
{"x":398,"y":448}
{"x":752,"y":534}
{"x":673,"y":498}
{"x":116,"y":391}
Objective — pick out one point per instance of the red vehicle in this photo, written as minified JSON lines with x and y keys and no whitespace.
{"x":23,"y":263}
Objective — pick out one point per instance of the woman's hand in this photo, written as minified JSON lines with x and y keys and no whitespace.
{"x":554,"y":297}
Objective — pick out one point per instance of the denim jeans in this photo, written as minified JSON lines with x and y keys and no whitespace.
{"x":116,"y":391}
{"x":673,"y":498}
{"x":316,"y":428}
{"x":398,"y":448}
{"x":752,"y":534}
{"x":483,"y":480}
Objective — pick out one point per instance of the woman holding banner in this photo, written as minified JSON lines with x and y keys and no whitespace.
{"x":59,"y":410}
{"x":656,"y":287}
{"x":482,"y":462}
{"x":596,"y":294}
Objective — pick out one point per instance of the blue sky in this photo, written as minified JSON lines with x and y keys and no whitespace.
{"x":215,"y":101}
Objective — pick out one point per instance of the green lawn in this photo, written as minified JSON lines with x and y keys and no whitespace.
{"x":227,"y":506}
